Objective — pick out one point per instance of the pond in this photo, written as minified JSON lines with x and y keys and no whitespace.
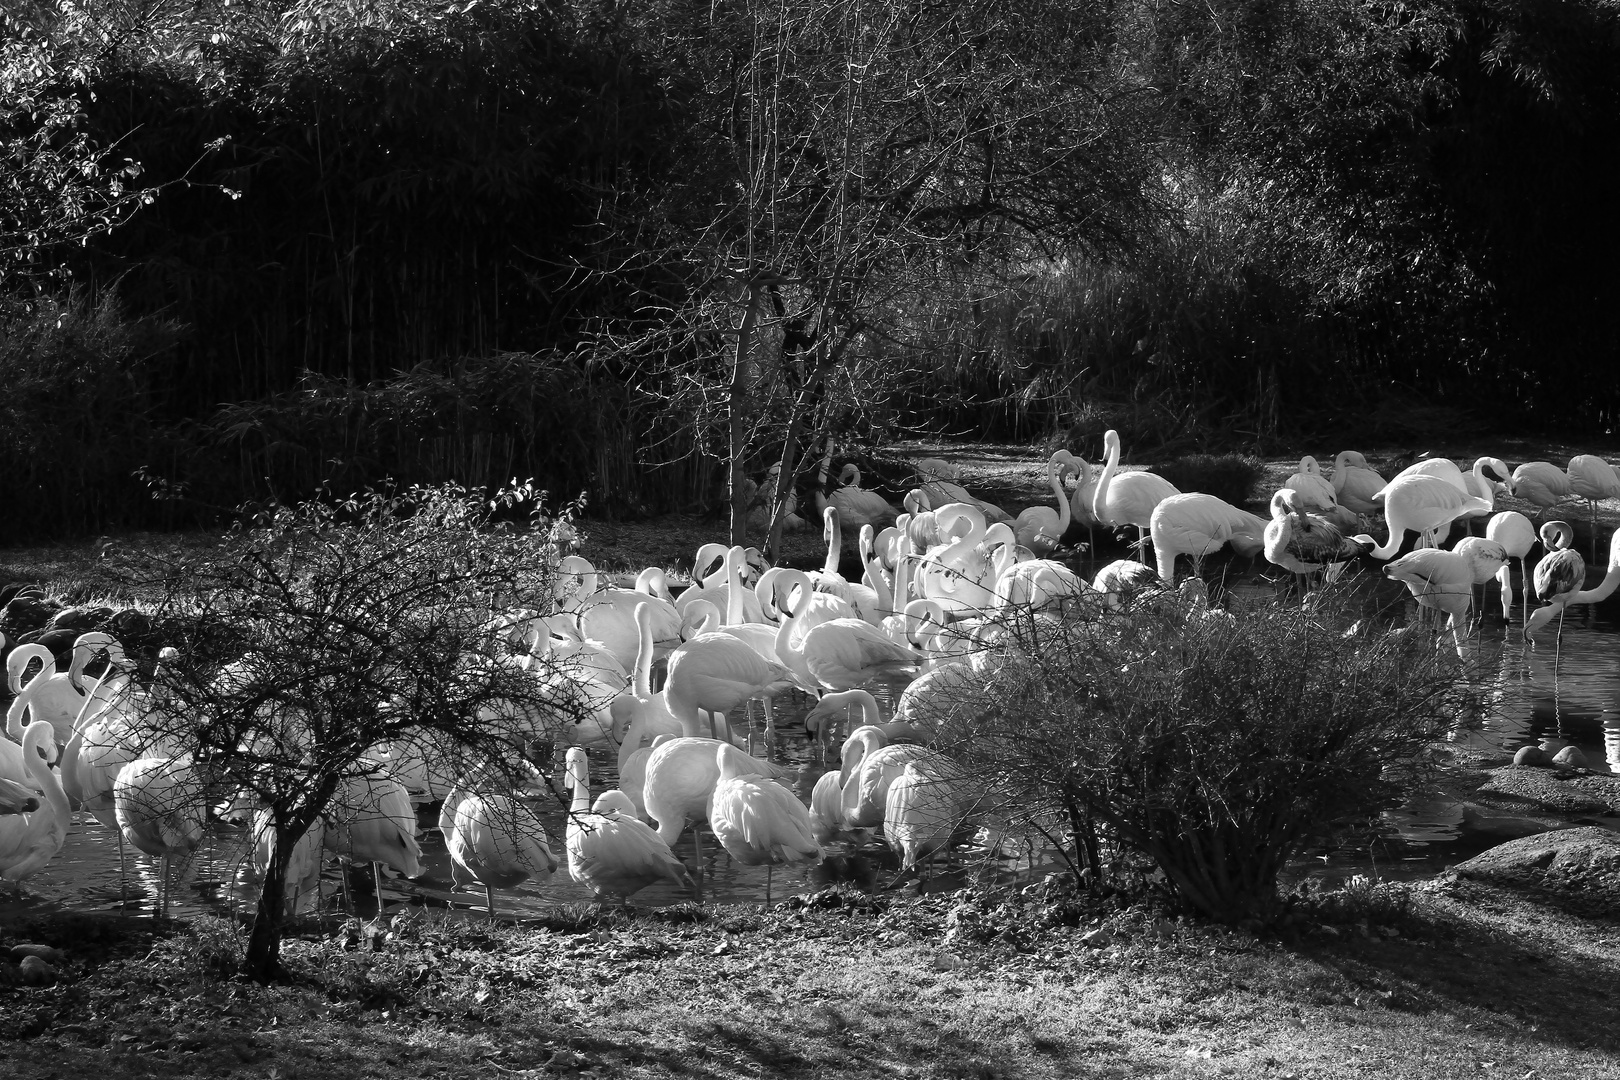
{"x":1519,"y":693}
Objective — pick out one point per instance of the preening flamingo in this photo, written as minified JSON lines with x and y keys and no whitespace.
{"x":303,"y":866}
{"x":926,"y":805}
{"x":161,"y":807}
{"x":494,"y":841}
{"x":756,"y":820}
{"x":1315,"y":494}
{"x":30,"y":840}
{"x":856,"y":505}
{"x":1542,"y":483}
{"x":1444,"y":580}
{"x":371,"y":821}
{"x":609,"y":850}
{"x":1196,"y":525}
{"x":1355,"y":484}
{"x":1041,"y":528}
{"x":15,"y":798}
{"x":1128,"y":498}
{"x":1123,"y":579}
{"x":606,"y":615}
{"x":1303,"y":543}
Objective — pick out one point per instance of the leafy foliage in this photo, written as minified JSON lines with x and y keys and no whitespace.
{"x":1214,"y":742}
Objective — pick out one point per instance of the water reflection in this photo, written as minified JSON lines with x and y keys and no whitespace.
{"x":1513,"y":695}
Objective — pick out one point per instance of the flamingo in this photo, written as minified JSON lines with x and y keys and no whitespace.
{"x":609,"y":850}
{"x":1121,"y":580}
{"x":30,"y":840}
{"x":1593,"y":479}
{"x":371,"y":820}
{"x":832,"y":705}
{"x":870,"y":764}
{"x":161,"y":807}
{"x":16,"y":798}
{"x":1303,"y":543}
{"x":926,"y":804}
{"x":1197,"y":524}
{"x":606,"y":615}
{"x":1085,"y":487}
{"x":304,"y":865}
{"x":1444,"y":580}
{"x":1315,"y":494}
{"x":757,"y":820}
{"x":1128,"y":498}
{"x":1517,"y":536}
{"x":1045,"y":585}
{"x":1605,"y":589}
{"x":1424,"y":504}
{"x":757,"y":636}
{"x":1560,"y":574}
{"x":943,"y":490}
{"x":1040,"y":528}
{"x":1354,"y":484}
{"x":494,"y":841}
{"x":1472,"y":483}
{"x":856,"y":506}
{"x":1541,"y":483}
{"x":51,"y":694}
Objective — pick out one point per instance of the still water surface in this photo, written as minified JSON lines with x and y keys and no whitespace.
{"x":1519,"y":694}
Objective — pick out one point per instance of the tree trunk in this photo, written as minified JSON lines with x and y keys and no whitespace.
{"x":739,"y":407}
{"x":262,"y":963}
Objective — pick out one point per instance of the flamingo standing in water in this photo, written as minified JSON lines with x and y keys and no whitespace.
{"x":1593,"y":479}
{"x":758,"y":820}
{"x":1424,"y":504}
{"x":1128,"y":498}
{"x":1541,"y":483}
{"x":1041,"y":528}
{"x":1444,"y":580}
{"x":609,"y":850}
{"x":1196,"y":524}
{"x":162,"y":808}
{"x":1517,"y":536}
{"x":494,"y":841}
{"x":30,"y":840}
{"x":1605,"y":589}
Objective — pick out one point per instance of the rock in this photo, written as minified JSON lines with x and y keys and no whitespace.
{"x":1531,"y":755}
{"x":44,"y":952}
{"x":1559,"y":792}
{"x":1570,"y":757}
{"x":36,"y":972}
{"x":1578,"y":867}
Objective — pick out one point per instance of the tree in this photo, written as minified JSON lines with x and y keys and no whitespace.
{"x":838,"y":163}
{"x":317,"y":633}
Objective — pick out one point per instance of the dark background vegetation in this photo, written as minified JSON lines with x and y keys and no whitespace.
{"x":359,"y":239}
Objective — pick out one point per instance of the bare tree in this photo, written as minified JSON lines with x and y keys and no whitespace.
{"x":319,"y":634}
{"x":842,"y":162}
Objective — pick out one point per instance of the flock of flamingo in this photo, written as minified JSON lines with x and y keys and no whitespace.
{"x":939,"y":578}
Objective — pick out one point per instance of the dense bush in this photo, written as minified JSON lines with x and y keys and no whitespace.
{"x":1214,"y":742}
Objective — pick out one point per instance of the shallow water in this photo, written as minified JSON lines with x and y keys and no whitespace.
{"x":1519,"y":696}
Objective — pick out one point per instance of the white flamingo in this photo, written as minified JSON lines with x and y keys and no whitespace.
{"x":30,"y":840}
{"x":1517,"y":536}
{"x":161,"y":807}
{"x":606,"y":615}
{"x":1424,"y":504}
{"x":1127,"y":498}
{"x":1354,"y":484}
{"x":1593,"y":479}
{"x":1303,"y":543}
{"x":303,"y":866}
{"x":756,"y":820}
{"x":609,"y":850}
{"x":494,"y":841}
{"x":1041,"y":528}
{"x":1444,"y":580}
{"x":1196,"y":525}
{"x":371,"y":821}
{"x":1123,"y":579}
{"x":1559,"y":575}
{"x":1542,"y":484}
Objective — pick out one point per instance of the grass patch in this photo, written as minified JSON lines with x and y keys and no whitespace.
{"x":1471,"y":978}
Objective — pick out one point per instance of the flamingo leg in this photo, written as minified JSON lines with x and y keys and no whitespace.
{"x":489,"y":898}
{"x":697,"y":848}
{"x":376,"y":878}
{"x":769,"y":867}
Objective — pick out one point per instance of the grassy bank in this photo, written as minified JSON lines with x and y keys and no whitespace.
{"x":1444,"y":979}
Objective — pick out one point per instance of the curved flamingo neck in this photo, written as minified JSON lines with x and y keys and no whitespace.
{"x":1099,"y":498}
{"x":579,"y":776}
{"x":40,"y":736}
{"x":1054,"y":478}
{"x":642,"y":687}
{"x":829,"y":531}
